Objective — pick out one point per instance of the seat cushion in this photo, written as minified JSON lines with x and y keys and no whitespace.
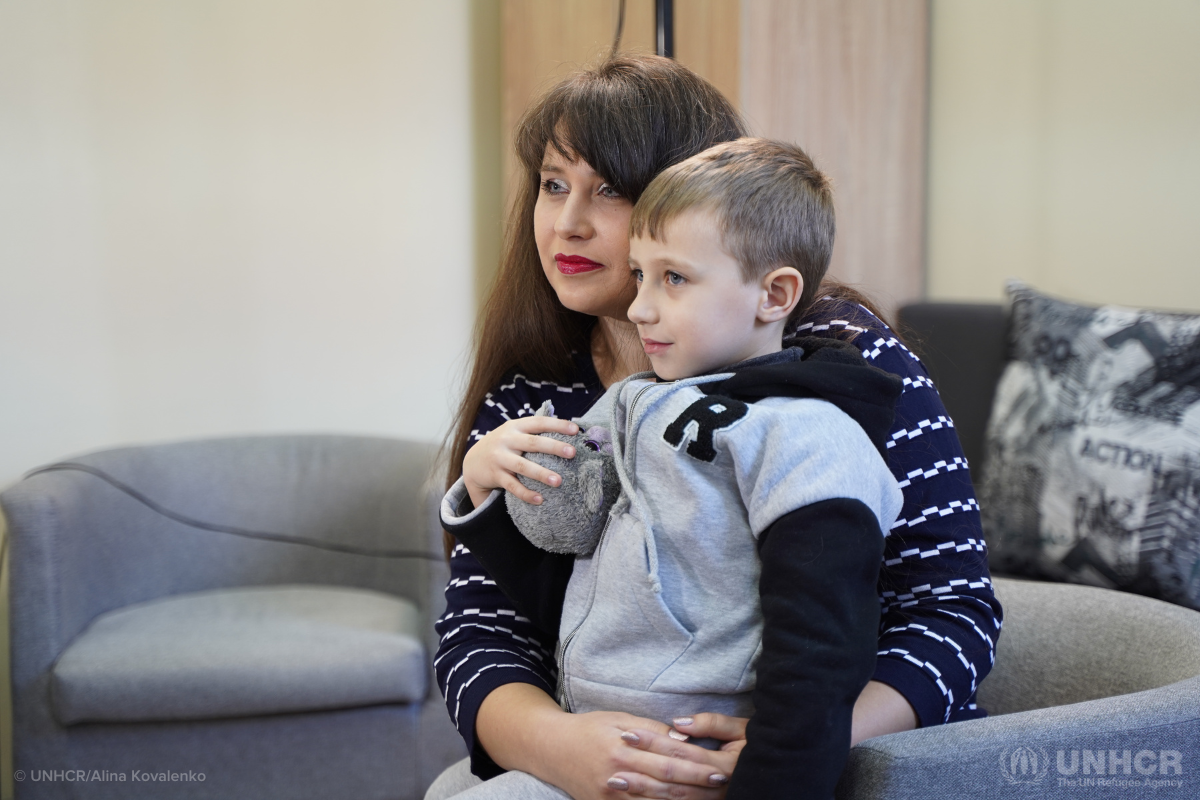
{"x":242,"y":652}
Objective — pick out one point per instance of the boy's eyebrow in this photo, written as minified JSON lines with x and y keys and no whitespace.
{"x":675,"y":263}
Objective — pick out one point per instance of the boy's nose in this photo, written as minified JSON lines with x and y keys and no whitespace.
{"x":641,"y":311}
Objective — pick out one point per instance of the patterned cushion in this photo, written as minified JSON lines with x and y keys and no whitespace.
{"x":1092,"y":472}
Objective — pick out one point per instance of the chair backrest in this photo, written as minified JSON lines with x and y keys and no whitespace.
{"x":964,"y":348}
{"x":1063,"y":643}
{"x":118,"y":527}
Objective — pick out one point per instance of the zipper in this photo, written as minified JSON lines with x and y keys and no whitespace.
{"x":629,"y":429}
{"x":561,"y":683}
{"x":561,"y":687}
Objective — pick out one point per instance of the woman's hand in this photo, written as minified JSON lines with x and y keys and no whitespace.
{"x":682,"y":758}
{"x":495,"y":460}
{"x":521,"y":727}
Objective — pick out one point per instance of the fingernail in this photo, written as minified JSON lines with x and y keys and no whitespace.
{"x":682,"y":722}
{"x":618,"y":784}
{"x":537,"y":499}
{"x":717,"y":779}
{"x":574,"y":428}
{"x":631,"y":737}
{"x":568,"y":451}
{"x":555,"y":480}
{"x":677,"y":736}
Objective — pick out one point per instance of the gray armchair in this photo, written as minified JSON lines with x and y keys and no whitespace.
{"x":1094,"y":692}
{"x":228,"y":618}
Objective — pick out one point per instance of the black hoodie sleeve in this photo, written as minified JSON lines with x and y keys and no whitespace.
{"x":533,"y":579}
{"x":820,"y":565}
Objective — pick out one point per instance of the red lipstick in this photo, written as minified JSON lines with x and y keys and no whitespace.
{"x":574,"y":265}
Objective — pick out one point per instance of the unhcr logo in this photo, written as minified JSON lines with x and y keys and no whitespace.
{"x":1024,"y":764}
{"x":1147,"y":769}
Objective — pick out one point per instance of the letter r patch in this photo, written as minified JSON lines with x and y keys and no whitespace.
{"x":711,"y":414}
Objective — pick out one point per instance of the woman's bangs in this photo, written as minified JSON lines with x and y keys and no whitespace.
{"x":590,"y":122}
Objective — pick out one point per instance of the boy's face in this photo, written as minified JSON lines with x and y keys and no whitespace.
{"x":693,"y":311}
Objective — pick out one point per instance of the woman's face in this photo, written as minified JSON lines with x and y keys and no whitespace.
{"x":582,"y":230}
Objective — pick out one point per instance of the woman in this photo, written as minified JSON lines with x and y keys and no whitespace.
{"x":554,"y":327}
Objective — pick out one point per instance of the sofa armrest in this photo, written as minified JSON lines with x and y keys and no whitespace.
{"x":977,"y":758}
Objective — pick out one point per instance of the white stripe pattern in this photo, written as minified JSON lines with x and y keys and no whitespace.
{"x":467,"y":683}
{"x":938,"y":468}
{"x":947,"y":694}
{"x":954,"y":507}
{"x":935,"y":593}
{"x":490,"y":400}
{"x":990,"y":642}
{"x":811,"y":327}
{"x":946,"y":640}
{"x":481,"y":580}
{"x":871,"y":353}
{"x":945,"y":547}
{"x":919,"y":382}
{"x":922,"y":426}
{"x":539,"y":654}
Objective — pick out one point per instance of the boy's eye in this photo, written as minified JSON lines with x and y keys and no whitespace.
{"x":554,"y":186}
{"x":607,"y":191}
{"x":637,"y":275}
{"x":675,"y":279}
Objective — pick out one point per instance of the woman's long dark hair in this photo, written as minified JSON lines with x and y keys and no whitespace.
{"x":628,"y":118}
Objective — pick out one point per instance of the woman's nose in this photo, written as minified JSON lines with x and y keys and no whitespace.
{"x":574,"y":220}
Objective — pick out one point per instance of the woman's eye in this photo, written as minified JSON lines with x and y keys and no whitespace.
{"x":675,"y":279}
{"x":607,"y":191}
{"x":553,"y":186}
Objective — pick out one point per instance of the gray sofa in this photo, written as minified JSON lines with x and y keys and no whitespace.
{"x":228,"y":618}
{"x":1094,"y":692}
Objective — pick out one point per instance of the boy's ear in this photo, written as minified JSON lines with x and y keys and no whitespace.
{"x":782,"y":288}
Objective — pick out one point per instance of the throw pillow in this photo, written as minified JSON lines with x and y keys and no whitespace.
{"x":1092,"y":471}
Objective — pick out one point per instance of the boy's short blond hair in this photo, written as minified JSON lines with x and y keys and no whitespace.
{"x":774,"y":207}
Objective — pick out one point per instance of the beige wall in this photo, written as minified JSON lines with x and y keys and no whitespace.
{"x":1065,"y":149}
{"x":231,"y":216}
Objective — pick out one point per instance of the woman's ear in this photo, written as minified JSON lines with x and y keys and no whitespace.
{"x":781,"y":291}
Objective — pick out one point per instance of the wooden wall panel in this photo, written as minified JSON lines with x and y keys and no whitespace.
{"x":847,"y":80}
{"x":707,"y":38}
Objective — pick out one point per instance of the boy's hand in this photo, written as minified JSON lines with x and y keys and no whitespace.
{"x":663,"y":780}
{"x":496,"y":459}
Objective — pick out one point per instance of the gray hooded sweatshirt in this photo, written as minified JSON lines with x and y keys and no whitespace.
{"x":663,"y":618}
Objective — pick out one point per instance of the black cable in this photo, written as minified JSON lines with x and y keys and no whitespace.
{"x":664,"y":12}
{"x":3,"y":548}
{"x":230,"y":529}
{"x":620,"y":28}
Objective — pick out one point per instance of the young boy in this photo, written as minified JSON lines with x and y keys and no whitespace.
{"x":741,"y":465}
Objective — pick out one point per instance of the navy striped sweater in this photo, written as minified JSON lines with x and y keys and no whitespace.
{"x":940,"y":619}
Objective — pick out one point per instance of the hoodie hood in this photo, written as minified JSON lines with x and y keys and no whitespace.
{"x":827,"y":369}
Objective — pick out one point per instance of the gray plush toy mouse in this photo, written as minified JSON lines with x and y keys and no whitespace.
{"x":572,"y":515}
